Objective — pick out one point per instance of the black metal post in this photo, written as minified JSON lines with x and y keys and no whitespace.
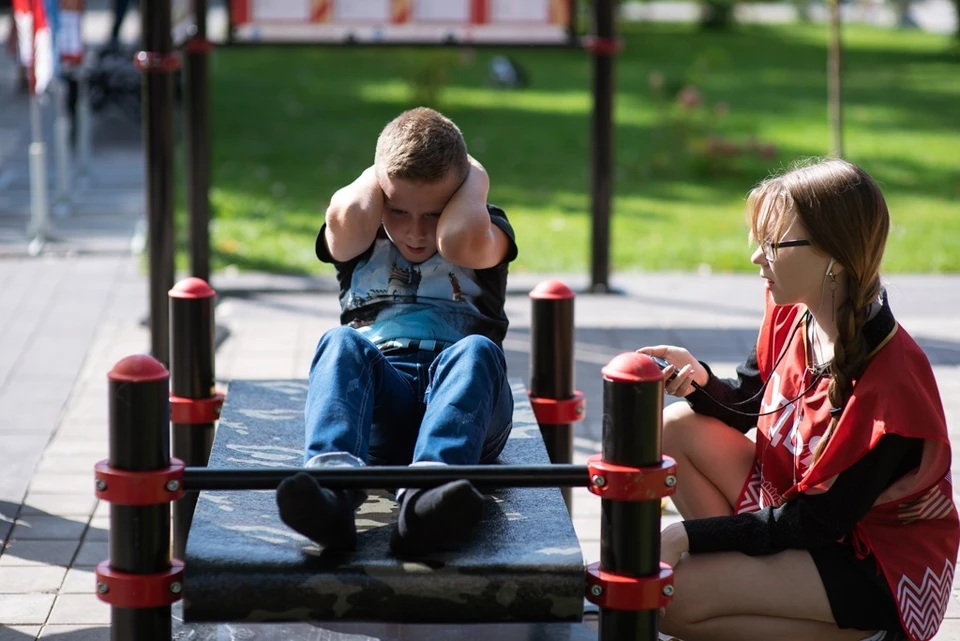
{"x":158,"y":62}
{"x":197,"y":479}
{"x":601,"y":140}
{"x":196,"y":112}
{"x":630,"y":530}
{"x":552,"y":363}
{"x":139,"y":535}
{"x":192,"y":377}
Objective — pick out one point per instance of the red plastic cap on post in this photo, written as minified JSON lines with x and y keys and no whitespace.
{"x":192,"y":288}
{"x":552,"y":290}
{"x":140,"y":368}
{"x":632,"y":367}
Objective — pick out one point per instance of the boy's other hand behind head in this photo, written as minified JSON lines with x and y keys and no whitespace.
{"x":353,"y":216}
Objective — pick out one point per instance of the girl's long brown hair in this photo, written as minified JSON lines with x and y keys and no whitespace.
{"x":844,"y":212}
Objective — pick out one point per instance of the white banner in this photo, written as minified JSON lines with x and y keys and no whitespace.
{"x":455,"y":22}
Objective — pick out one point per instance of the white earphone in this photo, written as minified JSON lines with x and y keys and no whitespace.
{"x":829,"y":268}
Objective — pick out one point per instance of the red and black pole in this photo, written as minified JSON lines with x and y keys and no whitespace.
{"x":194,"y":402}
{"x":556,"y":404}
{"x":631,"y":476}
{"x":140,"y":581}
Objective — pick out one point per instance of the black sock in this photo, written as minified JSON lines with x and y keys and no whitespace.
{"x":436,"y":518}
{"x":322,"y":515}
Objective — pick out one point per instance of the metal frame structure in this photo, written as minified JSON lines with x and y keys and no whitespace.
{"x":160,"y":60}
{"x":141,"y":579}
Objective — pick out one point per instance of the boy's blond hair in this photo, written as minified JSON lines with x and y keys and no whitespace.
{"x":421,"y":145}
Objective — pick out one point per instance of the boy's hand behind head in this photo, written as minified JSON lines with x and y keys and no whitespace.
{"x":353,"y":216}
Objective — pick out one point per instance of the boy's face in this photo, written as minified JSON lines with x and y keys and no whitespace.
{"x":411,"y":213}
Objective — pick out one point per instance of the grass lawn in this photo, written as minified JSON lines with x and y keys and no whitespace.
{"x":292,"y":125}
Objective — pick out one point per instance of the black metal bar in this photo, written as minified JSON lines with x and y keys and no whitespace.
{"x":573,"y":43}
{"x":630,"y":530}
{"x":139,"y":441}
{"x":196,"y":108}
{"x":192,"y":376}
{"x":602,"y":147}
{"x":483,"y":476}
{"x":552,"y":364}
{"x":158,"y":143}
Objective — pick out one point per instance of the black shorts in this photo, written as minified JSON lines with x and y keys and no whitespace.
{"x":859,"y":595}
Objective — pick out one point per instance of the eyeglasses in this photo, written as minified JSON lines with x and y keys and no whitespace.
{"x":768,"y":247}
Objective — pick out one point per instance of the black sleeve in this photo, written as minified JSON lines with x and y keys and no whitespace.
{"x":810,"y":521}
{"x":742,"y":393}
{"x":320,"y":246}
{"x":499,"y":218}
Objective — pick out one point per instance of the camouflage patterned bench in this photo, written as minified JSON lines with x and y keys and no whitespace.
{"x":243,"y":564}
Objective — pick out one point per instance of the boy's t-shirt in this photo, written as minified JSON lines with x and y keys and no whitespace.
{"x":386,"y":297}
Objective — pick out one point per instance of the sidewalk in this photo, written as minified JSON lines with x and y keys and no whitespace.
{"x":65,"y":321}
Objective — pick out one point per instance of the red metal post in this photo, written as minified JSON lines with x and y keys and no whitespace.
{"x":556,"y":404}
{"x":195,"y":404}
{"x":631,"y":475}
{"x":140,"y":581}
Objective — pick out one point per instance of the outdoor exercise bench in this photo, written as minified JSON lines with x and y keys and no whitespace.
{"x":523,"y":567}
{"x":243,"y":563}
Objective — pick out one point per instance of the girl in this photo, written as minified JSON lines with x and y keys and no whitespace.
{"x":839,"y":522}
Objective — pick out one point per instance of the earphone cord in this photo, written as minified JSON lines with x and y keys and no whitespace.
{"x":813,"y":383}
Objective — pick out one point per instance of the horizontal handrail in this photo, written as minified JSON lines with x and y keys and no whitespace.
{"x":388,"y":477}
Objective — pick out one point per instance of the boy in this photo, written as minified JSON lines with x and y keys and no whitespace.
{"x":416,"y":374}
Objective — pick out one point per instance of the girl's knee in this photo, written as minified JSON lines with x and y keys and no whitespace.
{"x":674,"y":621}
{"x":677,"y":420}
{"x":687,"y":608}
{"x":670,"y":625}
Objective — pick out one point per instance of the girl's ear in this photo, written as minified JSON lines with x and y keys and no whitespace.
{"x":834,"y":268}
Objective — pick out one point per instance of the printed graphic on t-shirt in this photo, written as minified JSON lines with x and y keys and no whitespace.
{"x":395,"y":298}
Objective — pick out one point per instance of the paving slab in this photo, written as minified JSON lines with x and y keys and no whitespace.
{"x":30,"y":580}
{"x":75,"y":633}
{"x":21,"y":609}
{"x":49,"y":528}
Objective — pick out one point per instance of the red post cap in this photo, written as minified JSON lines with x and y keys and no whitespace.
{"x":552,"y":290}
{"x":192,"y":288}
{"x":140,"y":368}
{"x":632,"y":367}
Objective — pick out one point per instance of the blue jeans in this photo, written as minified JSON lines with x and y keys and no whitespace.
{"x":454,"y":407}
